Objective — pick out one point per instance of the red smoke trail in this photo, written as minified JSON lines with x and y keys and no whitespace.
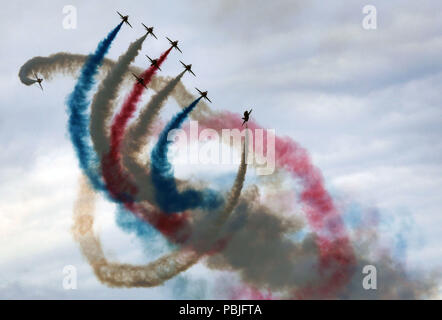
{"x":129,"y":107}
{"x":336,"y":256}
{"x":120,"y":185}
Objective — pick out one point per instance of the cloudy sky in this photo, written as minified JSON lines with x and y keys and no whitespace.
{"x":366,"y":104}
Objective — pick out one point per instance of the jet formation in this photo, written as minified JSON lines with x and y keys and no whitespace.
{"x":154,"y":62}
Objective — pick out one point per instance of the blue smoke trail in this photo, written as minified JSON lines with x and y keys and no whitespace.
{"x":166,"y":193}
{"x":151,"y":239}
{"x":78,"y":103}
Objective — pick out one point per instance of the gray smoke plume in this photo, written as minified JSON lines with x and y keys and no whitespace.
{"x":69,"y":64}
{"x":103,"y":103}
{"x":137,"y":136}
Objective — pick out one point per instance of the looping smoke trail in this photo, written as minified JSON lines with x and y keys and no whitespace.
{"x":77,"y":106}
{"x":121,"y":274}
{"x":167,"y":195}
{"x":336,"y":254}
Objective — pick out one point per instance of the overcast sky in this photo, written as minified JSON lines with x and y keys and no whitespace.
{"x":366,"y":104}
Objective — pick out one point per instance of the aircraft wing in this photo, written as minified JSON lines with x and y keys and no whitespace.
{"x":183,"y":64}
{"x":208,"y":99}
{"x":250,"y":111}
{"x":40,"y":86}
{"x":198,"y":90}
{"x":128,"y":24}
{"x":144,"y":25}
{"x":120,"y":15}
{"x":154,"y":35}
{"x":192,"y":72}
{"x":169,"y":40}
{"x":178,"y":49}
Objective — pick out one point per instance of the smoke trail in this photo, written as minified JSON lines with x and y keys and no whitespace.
{"x":121,"y":274}
{"x":101,"y":112}
{"x":335,"y":252}
{"x":69,"y":64}
{"x":130,"y":104}
{"x":137,"y":135}
{"x":102,"y":107}
{"x":116,"y":178}
{"x":167,"y":196}
{"x":206,"y":238}
{"x":120,"y":184}
{"x":78,"y":103}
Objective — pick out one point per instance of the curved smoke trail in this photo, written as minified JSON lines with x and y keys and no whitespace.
{"x":117,"y":180}
{"x":289,"y":156}
{"x":167,"y":195}
{"x":207,"y":238}
{"x":78,"y":104}
{"x":69,"y":64}
{"x":102,"y":107}
{"x":137,"y":135}
{"x":157,"y":272}
{"x":336,"y":255}
{"x":120,"y":274}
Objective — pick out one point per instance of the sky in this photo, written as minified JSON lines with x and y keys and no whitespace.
{"x":364,"y":103}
